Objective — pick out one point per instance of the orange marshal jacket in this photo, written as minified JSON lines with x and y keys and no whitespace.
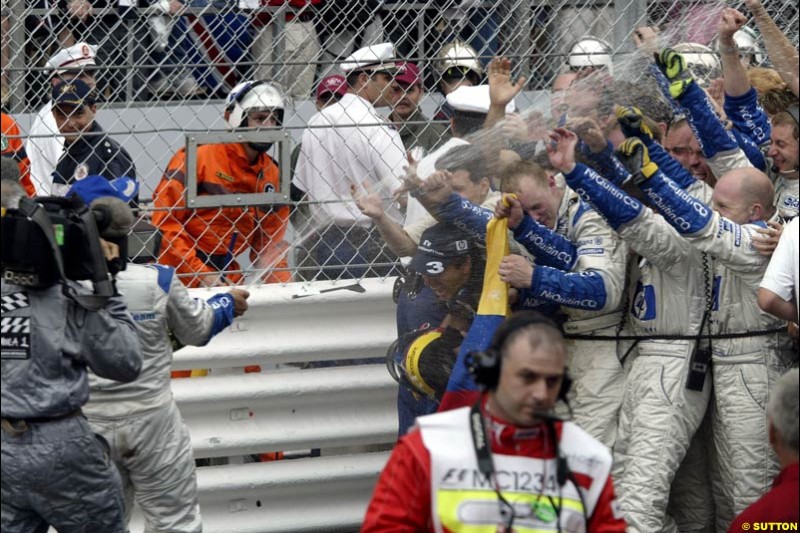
{"x":13,"y":148}
{"x":206,"y":240}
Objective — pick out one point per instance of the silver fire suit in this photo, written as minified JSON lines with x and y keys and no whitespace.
{"x":744,"y":368}
{"x":659,"y":415}
{"x":149,"y":440}
{"x":55,"y":471}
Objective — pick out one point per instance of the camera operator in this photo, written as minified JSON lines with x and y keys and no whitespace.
{"x":149,"y":441}
{"x":55,"y":470}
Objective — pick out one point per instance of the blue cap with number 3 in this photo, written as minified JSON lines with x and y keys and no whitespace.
{"x":439,"y":246}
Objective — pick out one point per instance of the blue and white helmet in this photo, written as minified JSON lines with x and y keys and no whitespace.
{"x":253,"y":96}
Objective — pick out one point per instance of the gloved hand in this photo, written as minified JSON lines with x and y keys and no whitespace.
{"x":636,"y":158}
{"x":673,"y":65}
{"x":631,"y":121}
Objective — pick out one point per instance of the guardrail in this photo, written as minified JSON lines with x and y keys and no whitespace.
{"x":340,"y":410}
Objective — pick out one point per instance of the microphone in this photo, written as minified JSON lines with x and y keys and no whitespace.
{"x":113,"y":216}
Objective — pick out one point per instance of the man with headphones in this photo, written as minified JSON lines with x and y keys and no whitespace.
{"x":205,"y":242}
{"x":505,"y":461}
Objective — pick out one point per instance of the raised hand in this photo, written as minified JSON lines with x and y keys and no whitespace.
{"x":561,"y":149}
{"x":636,"y":158}
{"x":673,"y":65}
{"x":501,"y":89}
{"x":589,"y":132}
{"x":730,"y":22}
{"x":631,"y":120}
{"x":437,"y":188}
{"x":369,"y":202}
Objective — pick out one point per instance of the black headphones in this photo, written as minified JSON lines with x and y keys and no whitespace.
{"x":485,"y":366}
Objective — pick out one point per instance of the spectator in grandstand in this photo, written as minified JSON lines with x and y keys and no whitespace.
{"x":96,"y":21}
{"x":779,"y":292}
{"x":153,"y":46}
{"x":444,"y":21}
{"x":416,"y":130}
{"x":203,"y":243}
{"x":297,"y":38}
{"x":440,"y":469}
{"x":345,"y":26}
{"x":780,"y":49}
{"x":45,"y":144}
{"x":349,"y":144}
{"x":11,"y":147}
{"x":88,"y":150}
{"x":781,"y":505}
{"x":149,"y":441}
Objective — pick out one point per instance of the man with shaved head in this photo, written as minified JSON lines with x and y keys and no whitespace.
{"x":748,"y":348}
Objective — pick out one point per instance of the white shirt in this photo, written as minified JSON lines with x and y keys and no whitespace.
{"x":332,"y":158}
{"x":781,"y":276}
{"x":427,"y":166}
{"x":44,"y":152}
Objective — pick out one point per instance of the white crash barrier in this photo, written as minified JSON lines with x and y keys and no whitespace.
{"x":319,"y":494}
{"x":343,"y":408}
{"x":296,"y":323}
{"x":288,"y":410}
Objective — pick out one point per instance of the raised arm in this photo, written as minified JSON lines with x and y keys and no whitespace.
{"x":781,"y":51}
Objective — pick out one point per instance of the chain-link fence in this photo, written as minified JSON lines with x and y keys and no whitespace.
{"x":164,"y":69}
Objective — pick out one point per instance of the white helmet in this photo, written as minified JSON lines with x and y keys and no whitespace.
{"x":747,"y":43}
{"x":589,"y":52}
{"x":701,"y":61}
{"x":252,"y":96}
{"x":458,"y":54}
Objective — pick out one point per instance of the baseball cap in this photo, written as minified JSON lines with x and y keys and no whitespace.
{"x":474,"y":99}
{"x":407,"y":74}
{"x":375,"y":58}
{"x":438,"y":247}
{"x":74,"y":57}
{"x":334,"y":84}
{"x":95,"y":186}
{"x":73,"y":92}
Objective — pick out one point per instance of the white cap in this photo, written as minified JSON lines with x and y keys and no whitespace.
{"x":73,"y":58}
{"x":474,"y":100}
{"x":375,"y":57}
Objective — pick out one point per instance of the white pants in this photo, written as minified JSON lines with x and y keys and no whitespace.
{"x":658,"y":419}
{"x":597,"y":385}
{"x":154,"y":456}
{"x":295,"y":70}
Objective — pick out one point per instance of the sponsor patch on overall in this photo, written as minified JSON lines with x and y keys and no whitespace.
{"x":15,"y":337}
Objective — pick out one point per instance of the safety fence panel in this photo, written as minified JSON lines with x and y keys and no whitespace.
{"x":164,"y":69}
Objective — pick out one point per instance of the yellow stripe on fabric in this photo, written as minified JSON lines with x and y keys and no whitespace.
{"x":494,"y":298}
{"x":451,"y":508}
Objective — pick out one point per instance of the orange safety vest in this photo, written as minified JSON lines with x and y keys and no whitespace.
{"x":11,"y":146}
{"x":197,"y":241}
